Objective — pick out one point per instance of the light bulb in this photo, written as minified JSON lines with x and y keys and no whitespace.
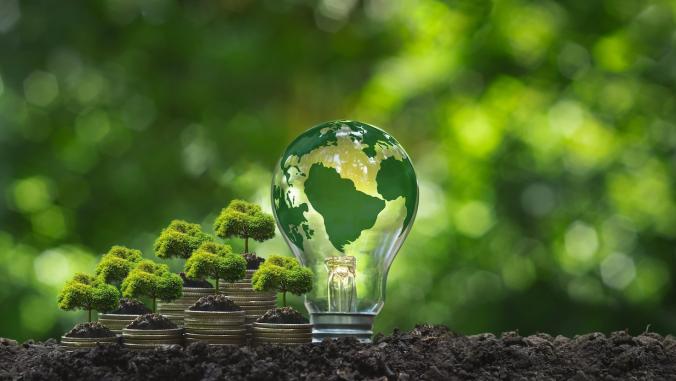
{"x":345,"y":195}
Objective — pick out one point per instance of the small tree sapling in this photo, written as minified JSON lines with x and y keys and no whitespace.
{"x":244,"y":220}
{"x":180,"y":239}
{"x":282,"y":274}
{"x":154,"y":281}
{"x":215,"y":260}
{"x":88,"y":293}
{"x":116,"y":264}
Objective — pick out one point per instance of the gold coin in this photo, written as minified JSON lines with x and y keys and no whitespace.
{"x":283,"y":331}
{"x":280,"y":326}
{"x":211,"y":331}
{"x":213,"y":337}
{"x":148,"y":332}
{"x":149,"y":346}
{"x":90,"y":340}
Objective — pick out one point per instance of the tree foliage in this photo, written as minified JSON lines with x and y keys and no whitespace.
{"x":216,"y":261}
{"x":180,"y":239}
{"x":88,"y":293}
{"x":244,"y":220}
{"x":154,"y":281}
{"x":116,"y":264}
{"x":282,"y":274}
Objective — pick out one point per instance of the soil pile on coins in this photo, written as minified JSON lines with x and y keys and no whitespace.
{"x":195,"y":283}
{"x":217,"y":302}
{"x":93,"y":329}
{"x":283,"y":315}
{"x":130,"y":307}
{"x":253,"y":262}
{"x":151,"y":321}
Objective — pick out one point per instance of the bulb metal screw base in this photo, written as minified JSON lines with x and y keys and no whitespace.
{"x":342,"y":324}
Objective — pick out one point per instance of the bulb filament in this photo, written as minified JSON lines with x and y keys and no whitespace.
{"x":342,"y":290}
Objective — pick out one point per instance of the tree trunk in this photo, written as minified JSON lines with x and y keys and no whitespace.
{"x":284,"y":298}
{"x":246,"y":244}
{"x":154,"y":304}
{"x":90,"y":314}
{"x":217,"y":284}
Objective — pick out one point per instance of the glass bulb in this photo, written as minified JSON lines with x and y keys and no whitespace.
{"x":345,"y":195}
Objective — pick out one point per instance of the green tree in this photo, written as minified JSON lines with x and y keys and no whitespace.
{"x":152,"y":280}
{"x":214,"y":260}
{"x":282,"y":274}
{"x":88,"y":293}
{"x":180,"y":239}
{"x":244,"y":220}
{"x":116,"y":264}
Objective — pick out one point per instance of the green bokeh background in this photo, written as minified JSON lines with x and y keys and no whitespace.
{"x":543,"y":134}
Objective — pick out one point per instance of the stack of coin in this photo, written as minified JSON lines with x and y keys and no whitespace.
{"x":86,"y":342}
{"x":215,"y":327}
{"x":269,"y":333}
{"x":174,"y":310}
{"x":151,"y":338}
{"x":116,"y":322}
{"x":254,"y":303}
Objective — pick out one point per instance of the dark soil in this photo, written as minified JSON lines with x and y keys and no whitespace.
{"x":94,"y":329}
{"x":284,"y":315}
{"x":218,"y":302}
{"x":196,"y":283}
{"x":253,"y":262}
{"x":425,"y":353}
{"x":151,"y":321}
{"x":131,"y":307}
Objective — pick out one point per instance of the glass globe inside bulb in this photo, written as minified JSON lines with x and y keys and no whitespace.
{"x":345,"y":195}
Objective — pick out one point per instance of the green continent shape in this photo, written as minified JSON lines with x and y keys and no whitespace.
{"x":395,"y":180}
{"x":346,"y":211}
{"x":292,"y":216}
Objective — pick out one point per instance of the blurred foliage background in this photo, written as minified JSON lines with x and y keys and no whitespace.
{"x":543,"y":134}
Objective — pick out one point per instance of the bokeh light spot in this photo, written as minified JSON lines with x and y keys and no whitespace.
{"x":41,"y":88}
{"x":32,"y":194}
{"x":93,"y":126}
{"x":618,"y":270}
{"x":474,"y":218}
{"x":10,"y":13}
{"x":50,"y":223}
{"x":581,"y":241}
{"x":538,"y":200}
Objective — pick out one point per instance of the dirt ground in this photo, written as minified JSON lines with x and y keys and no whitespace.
{"x":424,"y":353}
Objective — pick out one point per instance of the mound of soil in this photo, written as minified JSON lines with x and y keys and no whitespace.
{"x":253,"y":262}
{"x":196,"y":283}
{"x":425,"y":353}
{"x":284,"y":315}
{"x":130,"y":306}
{"x":94,"y":329}
{"x":217,"y":302}
{"x":151,"y":321}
